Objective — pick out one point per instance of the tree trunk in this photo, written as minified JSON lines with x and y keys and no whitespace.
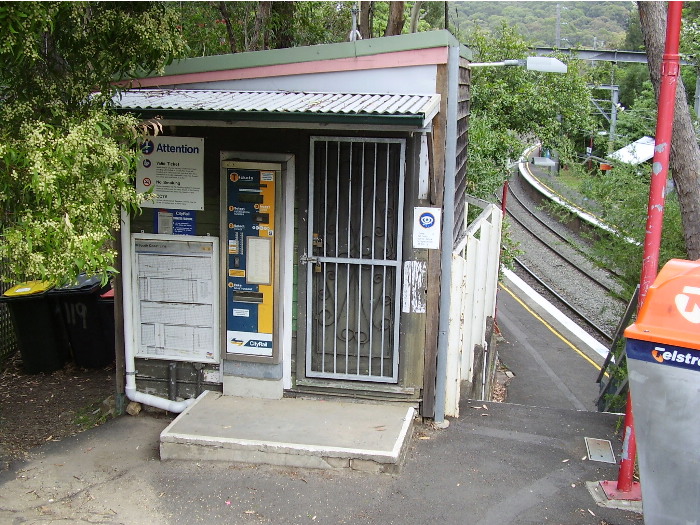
{"x":415,"y":16}
{"x":365,"y":22}
{"x":685,"y":153}
{"x":258,"y":38}
{"x":395,"y":24}
{"x":223,"y":9}
{"x":284,"y":13}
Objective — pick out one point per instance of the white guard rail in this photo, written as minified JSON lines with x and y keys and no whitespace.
{"x":475,"y":263}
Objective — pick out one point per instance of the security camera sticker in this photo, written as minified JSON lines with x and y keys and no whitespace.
{"x":427,"y":220}
{"x":426,"y":228}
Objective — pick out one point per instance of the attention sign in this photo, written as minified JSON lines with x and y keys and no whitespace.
{"x":172,"y":168}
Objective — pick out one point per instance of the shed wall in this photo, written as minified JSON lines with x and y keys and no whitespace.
{"x":157,"y":376}
{"x":416,"y":80}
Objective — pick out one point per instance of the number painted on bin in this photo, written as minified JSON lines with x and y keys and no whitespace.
{"x":76,"y":313}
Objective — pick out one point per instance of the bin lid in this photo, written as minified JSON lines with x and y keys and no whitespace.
{"x":83,"y":284}
{"x":671,"y":311}
{"x":28,"y":288}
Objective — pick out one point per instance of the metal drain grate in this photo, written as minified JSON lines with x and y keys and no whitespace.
{"x":600,"y":450}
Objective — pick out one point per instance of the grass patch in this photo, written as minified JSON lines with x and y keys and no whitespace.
{"x":90,"y":416}
{"x":571,"y":179}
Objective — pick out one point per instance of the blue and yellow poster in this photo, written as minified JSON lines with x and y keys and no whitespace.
{"x":250,"y":256}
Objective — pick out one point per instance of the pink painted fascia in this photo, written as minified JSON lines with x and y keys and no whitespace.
{"x":416,"y":57}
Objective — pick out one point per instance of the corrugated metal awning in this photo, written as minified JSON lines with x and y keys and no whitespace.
{"x":285,"y":106}
{"x":639,"y":151}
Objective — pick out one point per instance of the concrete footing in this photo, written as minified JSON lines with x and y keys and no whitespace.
{"x":290,"y":432}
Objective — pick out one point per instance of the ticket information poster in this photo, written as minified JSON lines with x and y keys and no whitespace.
{"x":250,"y":215}
{"x":172,"y":168}
{"x":174,"y":222}
{"x":176,"y":297}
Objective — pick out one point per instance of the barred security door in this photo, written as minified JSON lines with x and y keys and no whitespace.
{"x":353,"y":258}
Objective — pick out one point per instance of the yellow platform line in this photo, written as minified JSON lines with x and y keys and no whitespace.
{"x":551,"y":328}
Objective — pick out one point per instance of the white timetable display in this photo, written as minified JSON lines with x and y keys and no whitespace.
{"x":175,"y":297}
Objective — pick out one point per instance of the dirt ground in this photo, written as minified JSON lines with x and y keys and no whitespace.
{"x":36,"y":408}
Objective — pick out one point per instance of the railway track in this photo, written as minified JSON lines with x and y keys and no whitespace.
{"x":555,"y":262}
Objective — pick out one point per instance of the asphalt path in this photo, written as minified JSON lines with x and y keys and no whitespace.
{"x":498,"y":464}
{"x":549,"y":370}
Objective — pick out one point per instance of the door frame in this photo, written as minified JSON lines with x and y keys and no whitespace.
{"x":305,"y":348}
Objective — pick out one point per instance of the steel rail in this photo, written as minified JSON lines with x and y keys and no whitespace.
{"x":600,"y":331}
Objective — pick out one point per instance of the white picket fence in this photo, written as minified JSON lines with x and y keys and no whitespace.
{"x":475,"y":263}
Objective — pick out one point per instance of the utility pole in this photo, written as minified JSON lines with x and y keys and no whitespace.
{"x":557,"y":30}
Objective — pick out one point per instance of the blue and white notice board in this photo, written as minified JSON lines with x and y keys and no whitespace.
{"x":250,"y":257}
{"x":426,"y":227}
{"x":172,"y":169}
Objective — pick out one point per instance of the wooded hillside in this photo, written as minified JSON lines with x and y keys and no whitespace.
{"x":599,"y":25}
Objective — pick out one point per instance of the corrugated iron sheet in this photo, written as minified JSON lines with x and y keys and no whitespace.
{"x":279,"y":102}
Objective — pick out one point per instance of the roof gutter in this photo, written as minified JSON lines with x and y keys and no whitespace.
{"x":417,"y":121}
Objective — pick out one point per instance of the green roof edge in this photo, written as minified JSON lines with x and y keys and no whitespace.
{"x":274,"y":57}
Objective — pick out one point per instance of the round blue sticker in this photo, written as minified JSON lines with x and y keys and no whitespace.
{"x":427,"y":220}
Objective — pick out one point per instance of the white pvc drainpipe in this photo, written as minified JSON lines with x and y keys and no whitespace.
{"x":130,"y":364}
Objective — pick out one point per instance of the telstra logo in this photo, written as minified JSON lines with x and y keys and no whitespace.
{"x":662,"y":355}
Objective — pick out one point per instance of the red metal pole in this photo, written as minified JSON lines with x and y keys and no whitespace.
{"x":670,"y":70}
{"x":629,"y":452}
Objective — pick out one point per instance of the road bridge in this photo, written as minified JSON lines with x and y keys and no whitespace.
{"x":615,"y":56}
{"x":602,"y":55}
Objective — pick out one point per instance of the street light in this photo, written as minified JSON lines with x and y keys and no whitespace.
{"x":544,"y":64}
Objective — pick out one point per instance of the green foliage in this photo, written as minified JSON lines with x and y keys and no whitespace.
{"x":490,"y":148}
{"x":639,"y":119}
{"x":433,"y":14}
{"x":61,"y":188}
{"x":623,"y":196}
{"x":545,"y":104}
{"x":690,"y":30}
{"x":510,"y":104}
{"x":66,"y":162}
{"x":55,"y":54}
{"x":289,"y":24}
{"x":632,"y":79}
{"x":634,"y":38}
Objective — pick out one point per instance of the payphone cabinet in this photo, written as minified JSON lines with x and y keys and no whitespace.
{"x":663,"y":360}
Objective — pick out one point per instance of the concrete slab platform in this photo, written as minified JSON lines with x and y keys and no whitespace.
{"x":290,"y":432}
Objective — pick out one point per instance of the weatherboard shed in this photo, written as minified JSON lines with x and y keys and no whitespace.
{"x":309,"y":206}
